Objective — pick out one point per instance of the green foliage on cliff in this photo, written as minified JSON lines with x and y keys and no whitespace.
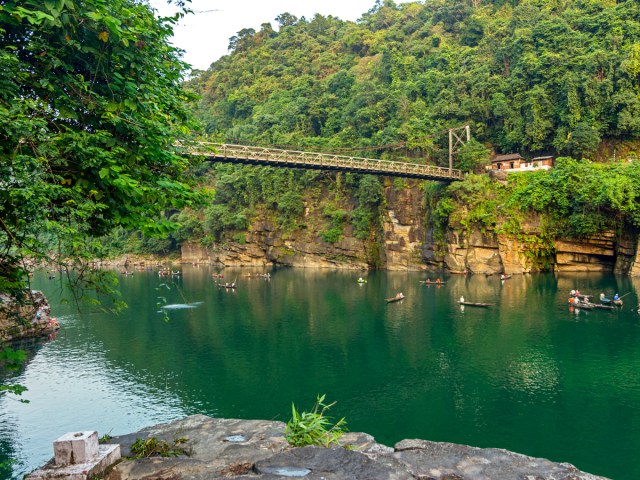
{"x":574,"y":199}
{"x":582,"y":197}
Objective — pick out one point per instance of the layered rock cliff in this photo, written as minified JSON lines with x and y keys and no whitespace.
{"x":402,"y":243}
{"x":406,"y":242}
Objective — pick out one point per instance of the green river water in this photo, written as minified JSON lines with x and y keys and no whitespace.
{"x":527,"y":374}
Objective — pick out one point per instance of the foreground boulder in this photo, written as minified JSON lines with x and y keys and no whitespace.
{"x":257,"y":450}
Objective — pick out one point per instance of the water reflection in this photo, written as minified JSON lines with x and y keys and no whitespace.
{"x":420,"y":368}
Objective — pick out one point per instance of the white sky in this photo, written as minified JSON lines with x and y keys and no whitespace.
{"x":204,"y":35}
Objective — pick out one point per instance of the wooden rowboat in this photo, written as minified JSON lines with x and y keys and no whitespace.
{"x":476,"y":304}
{"x":397,"y":298}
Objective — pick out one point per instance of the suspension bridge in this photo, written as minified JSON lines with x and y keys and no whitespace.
{"x":274,"y":157}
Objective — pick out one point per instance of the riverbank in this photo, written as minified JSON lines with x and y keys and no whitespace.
{"x":257,"y":449}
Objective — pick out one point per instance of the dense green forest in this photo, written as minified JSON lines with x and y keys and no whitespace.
{"x":532,"y":76}
{"x":558,"y":77}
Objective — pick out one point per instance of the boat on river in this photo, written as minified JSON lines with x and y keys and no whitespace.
{"x":476,"y":304}
{"x":505,"y":276}
{"x":432,"y":282}
{"x":603,"y":307}
{"x":397,"y":298}
{"x":586,"y":305}
{"x":227,"y":285}
{"x":462,"y":301}
{"x":581,"y":301}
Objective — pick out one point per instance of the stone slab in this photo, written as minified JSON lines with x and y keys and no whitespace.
{"x":257,"y":450}
{"x":107,"y":455}
{"x":442,"y":460}
{"x":328,"y":463}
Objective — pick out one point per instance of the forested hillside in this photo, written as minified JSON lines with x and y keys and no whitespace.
{"x":532,"y":76}
{"x":557,"y":77}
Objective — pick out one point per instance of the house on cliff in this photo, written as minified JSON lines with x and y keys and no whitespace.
{"x":513,"y":162}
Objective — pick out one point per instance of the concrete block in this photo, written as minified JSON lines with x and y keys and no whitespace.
{"x":106,"y":457}
{"x":75,"y":447}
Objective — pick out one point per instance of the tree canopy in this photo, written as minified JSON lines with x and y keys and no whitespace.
{"x":529,"y":76}
{"x":91,"y":104}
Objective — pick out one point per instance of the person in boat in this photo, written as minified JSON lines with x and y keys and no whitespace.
{"x":461,"y":299}
{"x":438,"y":280}
{"x":616,"y":297}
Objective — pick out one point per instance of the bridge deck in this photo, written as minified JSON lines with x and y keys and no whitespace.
{"x":321,"y":161}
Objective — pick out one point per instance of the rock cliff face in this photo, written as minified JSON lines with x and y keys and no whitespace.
{"x":493,"y":253}
{"x":402,"y":241}
{"x":265,"y":246}
{"x":405,"y":242}
{"x":27,"y":318}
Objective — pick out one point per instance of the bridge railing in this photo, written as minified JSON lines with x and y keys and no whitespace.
{"x":318,"y":160}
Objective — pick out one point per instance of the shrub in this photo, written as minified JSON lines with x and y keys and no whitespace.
{"x":332,"y":235}
{"x":313,"y":428}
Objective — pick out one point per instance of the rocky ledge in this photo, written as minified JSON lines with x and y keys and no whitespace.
{"x":253,"y":449}
{"x":26,"y":317}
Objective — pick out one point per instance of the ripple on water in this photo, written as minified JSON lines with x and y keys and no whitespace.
{"x":78,"y":391}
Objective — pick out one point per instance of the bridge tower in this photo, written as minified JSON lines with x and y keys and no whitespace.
{"x":459,"y":142}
